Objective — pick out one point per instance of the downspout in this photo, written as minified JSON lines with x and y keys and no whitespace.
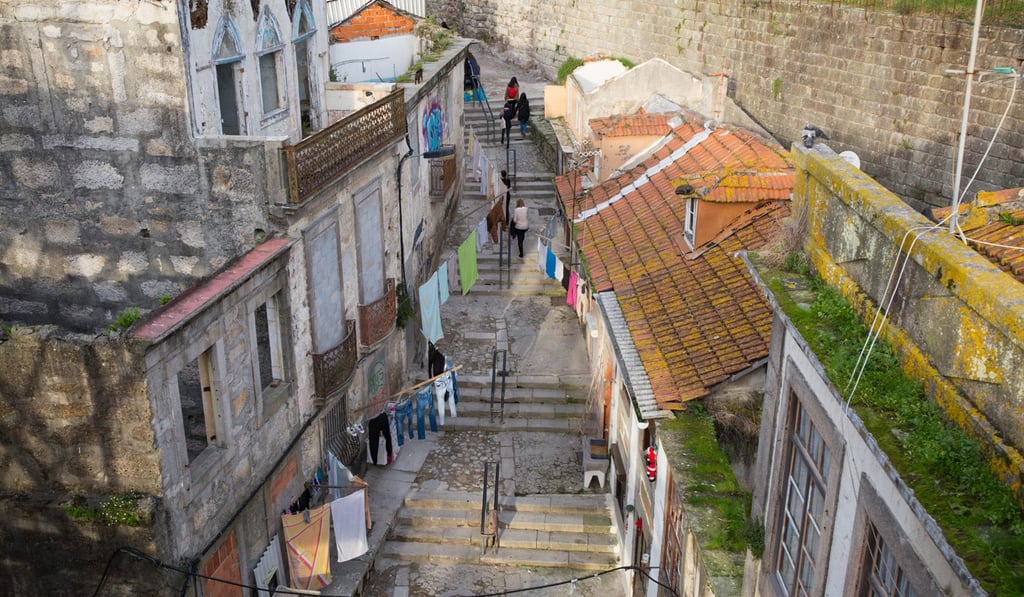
{"x":401,"y":218}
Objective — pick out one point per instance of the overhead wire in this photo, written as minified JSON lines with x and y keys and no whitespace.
{"x":287,"y":591}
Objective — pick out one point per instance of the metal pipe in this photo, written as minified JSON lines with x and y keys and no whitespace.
{"x":969,"y":73}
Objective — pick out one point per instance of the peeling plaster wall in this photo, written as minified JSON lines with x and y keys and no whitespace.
{"x":956,"y":320}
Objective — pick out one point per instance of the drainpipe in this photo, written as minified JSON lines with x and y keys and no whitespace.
{"x":401,"y":218}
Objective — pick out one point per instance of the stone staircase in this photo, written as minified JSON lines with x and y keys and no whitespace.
{"x":552,"y":531}
{"x":537,"y":403}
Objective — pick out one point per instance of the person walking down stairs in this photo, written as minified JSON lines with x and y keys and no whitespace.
{"x":520,"y":224}
{"x":523,"y":114}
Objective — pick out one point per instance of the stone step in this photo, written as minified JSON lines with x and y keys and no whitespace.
{"x":549,"y":503}
{"x":481,"y":407}
{"x":556,"y":397}
{"x":510,"y":538}
{"x":558,"y":384}
{"x":575,"y":522}
{"x":429,"y":552}
{"x":509,"y":423}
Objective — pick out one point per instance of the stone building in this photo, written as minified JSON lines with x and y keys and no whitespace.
{"x":186,"y":174}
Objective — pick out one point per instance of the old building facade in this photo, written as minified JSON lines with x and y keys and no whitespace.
{"x":187,"y":173}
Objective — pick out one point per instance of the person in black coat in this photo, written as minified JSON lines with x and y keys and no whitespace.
{"x":523,"y":113}
{"x":508,"y":112}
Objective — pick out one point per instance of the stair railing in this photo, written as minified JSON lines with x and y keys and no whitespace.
{"x":480,"y":97}
{"x":489,"y":535}
{"x":497,"y":396}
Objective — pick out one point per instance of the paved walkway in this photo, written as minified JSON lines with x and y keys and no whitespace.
{"x":544,"y":341}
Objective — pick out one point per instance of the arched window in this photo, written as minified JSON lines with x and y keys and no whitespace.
{"x":303,"y":28}
{"x":270,"y":52}
{"x":227,"y":62}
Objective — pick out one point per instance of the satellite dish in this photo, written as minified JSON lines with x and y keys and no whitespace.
{"x":851,"y":158}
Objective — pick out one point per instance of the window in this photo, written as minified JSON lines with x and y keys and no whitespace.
{"x":327,"y":303}
{"x":805,"y":475}
{"x":370,"y":238}
{"x":270,"y":52}
{"x":197,"y":396}
{"x":227,"y":61}
{"x":690,"y":225}
{"x":883,"y":576}
{"x":269,"y":344}
{"x":303,"y":31}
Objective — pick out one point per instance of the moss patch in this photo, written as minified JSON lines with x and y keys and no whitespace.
{"x":950,"y":476}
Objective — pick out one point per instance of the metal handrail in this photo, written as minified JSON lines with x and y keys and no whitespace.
{"x":515,"y":166}
{"x":494,"y":381}
{"x":489,"y":510}
{"x":485,"y":105}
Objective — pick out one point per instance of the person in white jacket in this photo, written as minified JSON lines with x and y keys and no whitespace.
{"x":520,"y":224}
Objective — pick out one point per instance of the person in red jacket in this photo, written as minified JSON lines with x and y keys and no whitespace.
{"x":512,"y":91}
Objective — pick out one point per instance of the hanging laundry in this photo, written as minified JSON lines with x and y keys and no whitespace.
{"x":453,"y":271}
{"x":467,"y":263}
{"x":454,"y":379}
{"x":542,"y":254}
{"x":443,"y":289}
{"x":403,"y":419}
{"x":349,"y":525}
{"x":573,"y":295}
{"x":484,"y":166}
{"x":308,"y":547}
{"x":435,"y":360}
{"x":481,"y":234}
{"x":379,"y":427}
{"x":496,"y":223}
{"x":549,"y":267}
{"x":559,"y":269}
{"x":430,"y":310}
{"x":425,"y":407}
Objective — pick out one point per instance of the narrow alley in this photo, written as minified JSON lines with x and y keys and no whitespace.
{"x":551,"y":530}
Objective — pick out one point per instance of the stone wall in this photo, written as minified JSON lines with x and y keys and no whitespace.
{"x":106,"y":201}
{"x":74,"y":421}
{"x":875,"y":82}
{"x":972,"y":364}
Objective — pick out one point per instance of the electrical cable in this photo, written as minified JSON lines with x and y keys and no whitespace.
{"x":188,"y":573}
{"x":572,"y":582}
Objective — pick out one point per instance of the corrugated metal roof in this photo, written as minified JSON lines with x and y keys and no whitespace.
{"x":339,"y":10}
{"x":637,"y":382}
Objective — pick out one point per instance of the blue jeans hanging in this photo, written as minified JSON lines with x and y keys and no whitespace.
{"x":403,"y":420}
{"x":425,"y":405}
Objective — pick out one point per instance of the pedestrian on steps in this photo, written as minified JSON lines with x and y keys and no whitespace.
{"x":520,"y":224}
{"x":512,"y":90}
{"x":508,"y":112}
{"x":523,"y":113}
{"x":508,"y":198}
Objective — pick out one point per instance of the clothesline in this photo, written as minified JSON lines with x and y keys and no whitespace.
{"x":419,"y":385}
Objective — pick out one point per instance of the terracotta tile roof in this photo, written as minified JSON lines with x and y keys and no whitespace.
{"x":695,"y":318}
{"x":175,"y":313}
{"x":994,"y":226}
{"x":640,"y":124}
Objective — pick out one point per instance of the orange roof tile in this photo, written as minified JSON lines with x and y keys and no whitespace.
{"x":994,"y":227}
{"x":640,"y":124}
{"x":697,"y":318}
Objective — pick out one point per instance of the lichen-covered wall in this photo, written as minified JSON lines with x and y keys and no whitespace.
{"x":955,"y":319}
{"x":876,"y":82}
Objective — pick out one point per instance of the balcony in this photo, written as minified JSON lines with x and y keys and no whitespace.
{"x":442,"y":176}
{"x":377,"y":319}
{"x":332,"y":370}
{"x":327,"y":155}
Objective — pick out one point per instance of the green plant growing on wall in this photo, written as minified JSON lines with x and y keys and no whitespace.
{"x":406,"y":307}
{"x":120,"y":510}
{"x":907,"y":144}
{"x":570,"y":64}
{"x":165,"y":298}
{"x":777,"y":89}
{"x":125,"y":320}
{"x":626,"y":62}
{"x":1009,"y":219}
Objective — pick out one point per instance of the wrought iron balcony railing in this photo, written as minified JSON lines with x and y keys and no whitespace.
{"x":442,"y":176}
{"x":377,"y":319}
{"x":325,"y":156}
{"x":333,"y":369}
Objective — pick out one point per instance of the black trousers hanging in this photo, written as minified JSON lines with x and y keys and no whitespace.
{"x":376,"y":427}
{"x":435,"y":360}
